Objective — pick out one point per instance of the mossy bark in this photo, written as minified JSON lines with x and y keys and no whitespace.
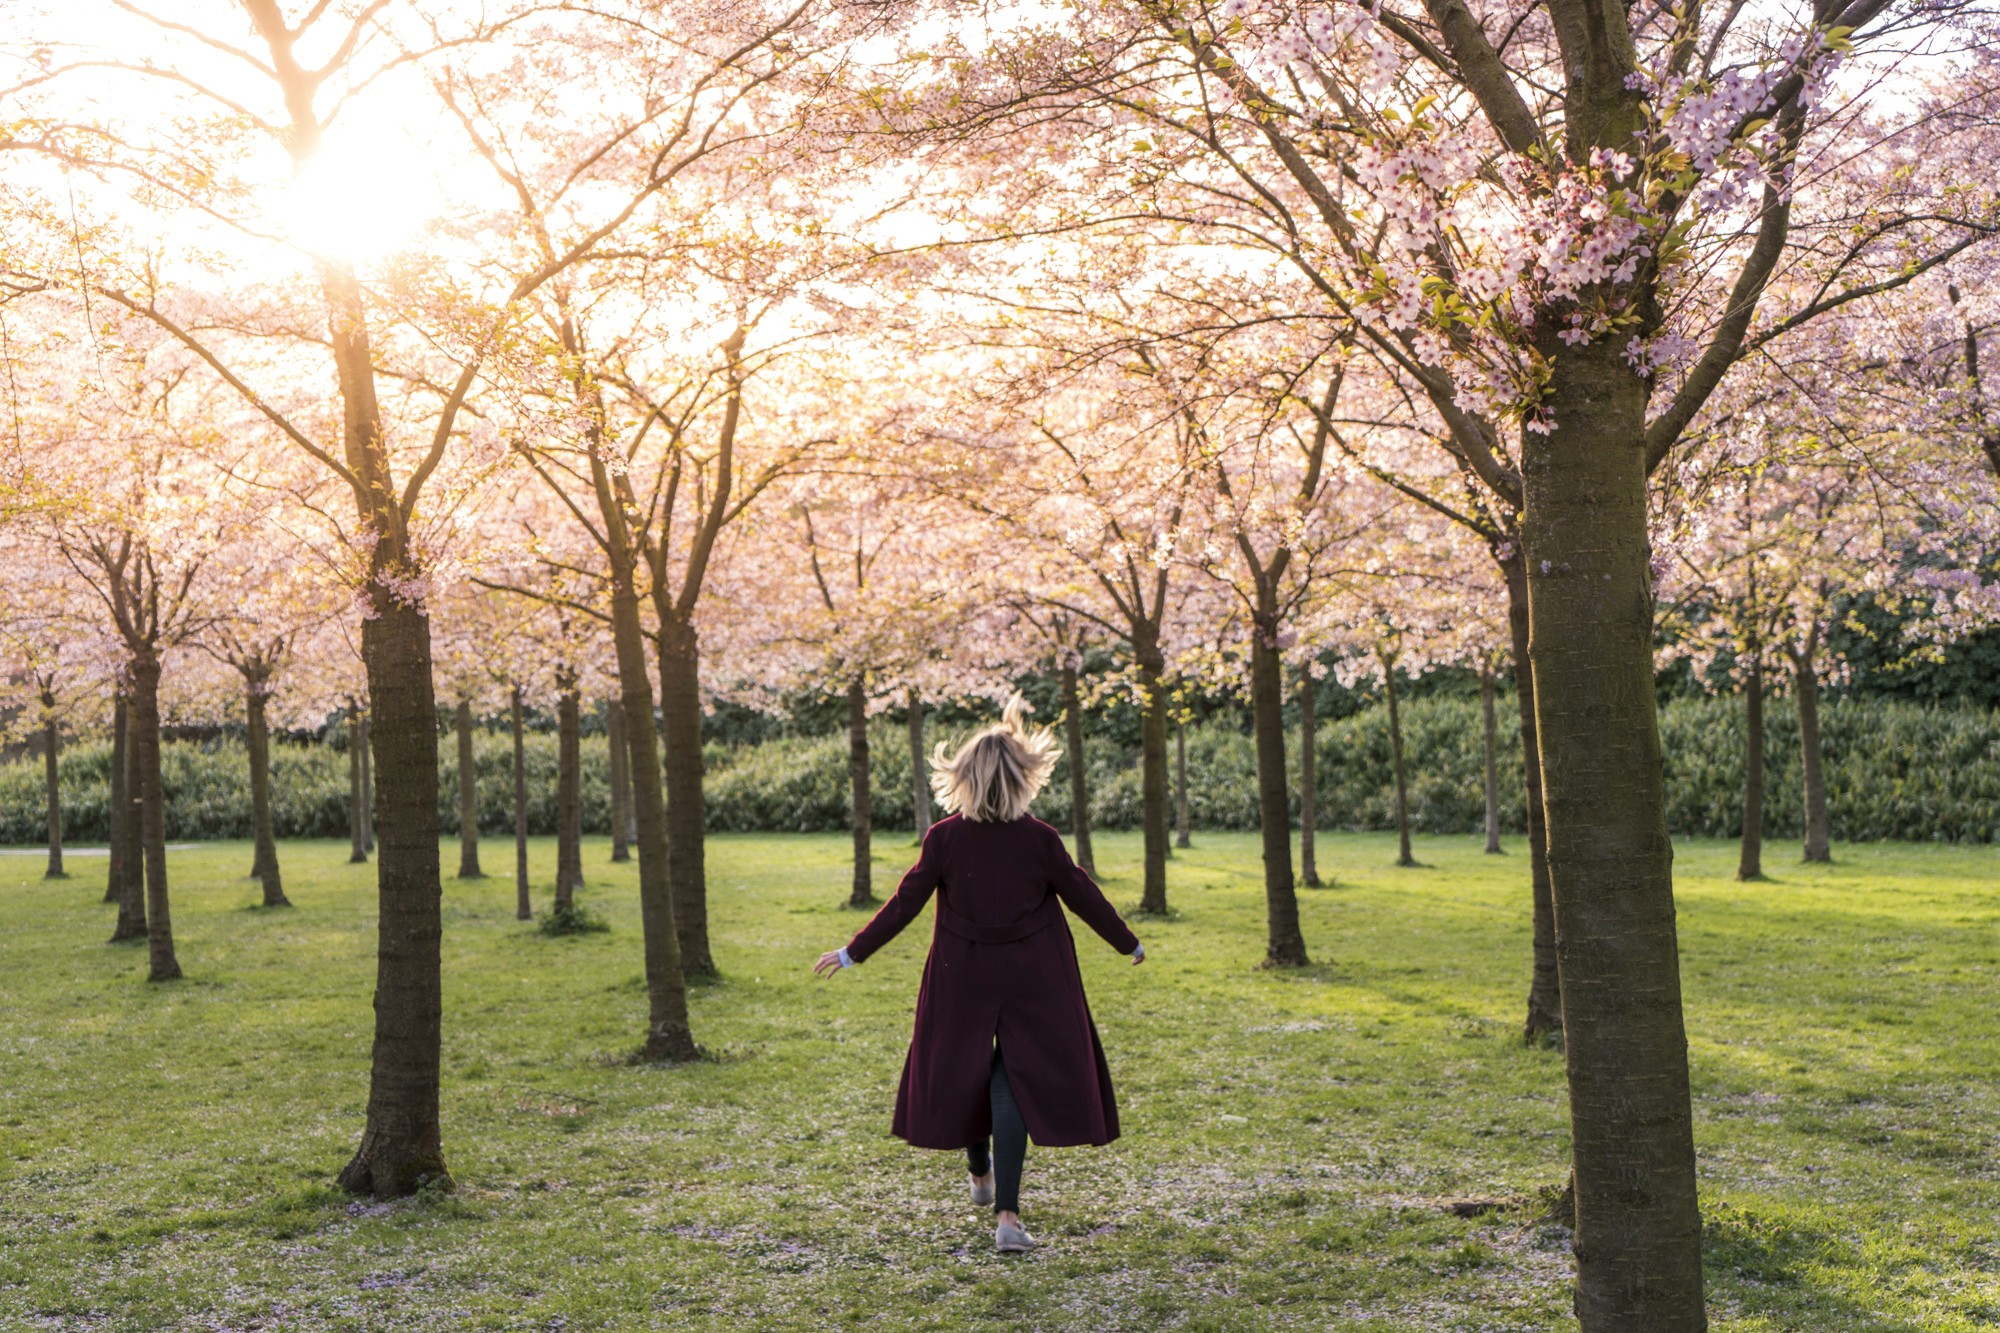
{"x":860,"y":801}
{"x":1638,"y":1234}
{"x":468,"y":796}
{"x":1079,"y":770}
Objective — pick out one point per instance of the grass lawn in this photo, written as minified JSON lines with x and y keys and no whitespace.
{"x":166,"y":1152}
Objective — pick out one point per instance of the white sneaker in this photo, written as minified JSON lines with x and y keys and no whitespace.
{"x":982,"y":1195}
{"x":1009,"y":1238}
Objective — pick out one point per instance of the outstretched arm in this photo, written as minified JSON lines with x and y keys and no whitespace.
{"x":916,"y":889}
{"x":1081,"y":895}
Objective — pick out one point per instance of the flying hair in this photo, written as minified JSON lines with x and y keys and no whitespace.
{"x":996,"y":775}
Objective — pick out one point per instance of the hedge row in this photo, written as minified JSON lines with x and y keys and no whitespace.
{"x":1894,"y":770}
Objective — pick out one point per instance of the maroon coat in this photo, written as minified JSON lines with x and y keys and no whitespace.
{"x":1002,"y":965}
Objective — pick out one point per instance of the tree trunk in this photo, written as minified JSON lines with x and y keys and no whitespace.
{"x":920,"y":787}
{"x":1153,"y":774}
{"x":368,"y":771}
{"x":264,"y":864}
{"x":1079,"y":774}
{"x":859,"y":802}
{"x":357,"y":817}
{"x":1182,"y":814}
{"x":52,"y":770}
{"x":131,"y":844}
{"x":1308,"y":779}
{"x":1638,"y":1234}
{"x":1403,"y":853}
{"x":621,"y":781}
{"x":1750,"y":864}
{"x":524,"y":907}
{"x":1286,"y":946}
{"x":117,"y":810}
{"x":1492,"y":743}
{"x":1805,"y":683}
{"x":401,"y":1144}
{"x":668,"y":1036}
{"x":687,"y":853}
{"x":145,"y":721}
{"x":468,"y":797}
{"x":569,"y":797}
{"x":1545,"y":983}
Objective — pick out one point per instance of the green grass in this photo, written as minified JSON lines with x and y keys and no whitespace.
{"x":166,"y":1152}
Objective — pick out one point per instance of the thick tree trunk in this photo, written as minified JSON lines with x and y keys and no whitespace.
{"x":1750,"y":863}
{"x":920,"y":787}
{"x":115,"y":810}
{"x":402,"y":1145}
{"x":1404,"y":857}
{"x":145,"y":721}
{"x":1638,"y":1234}
{"x":1492,"y":745}
{"x":569,"y":797}
{"x":1182,"y":814}
{"x":1079,"y":773}
{"x":1805,"y":684}
{"x":1153,"y":774}
{"x":1286,"y":946}
{"x":468,"y":797}
{"x":524,"y":907}
{"x":668,"y":1036}
{"x":52,"y":777}
{"x":1308,"y":779}
{"x":1545,"y":983}
{"x":357,"y":815}
{"x":687,"y":852}
{"x":860,"y":803}
{"x":264,"y":863}
{"x":621,"y":781}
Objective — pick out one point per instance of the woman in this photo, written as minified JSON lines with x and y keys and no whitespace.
{"x":1004,"y":1045}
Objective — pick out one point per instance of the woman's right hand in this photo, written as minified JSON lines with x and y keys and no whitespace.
{"x":828,"y":964}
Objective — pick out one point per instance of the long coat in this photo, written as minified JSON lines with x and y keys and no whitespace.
{"x":1002,"y":966}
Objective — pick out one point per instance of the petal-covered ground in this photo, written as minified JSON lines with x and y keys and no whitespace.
{"x":1292,"y":1139}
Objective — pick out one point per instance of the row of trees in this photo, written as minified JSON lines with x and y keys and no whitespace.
{"x":390,"y":355}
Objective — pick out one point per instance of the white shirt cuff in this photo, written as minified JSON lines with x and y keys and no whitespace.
{"x":1138,"y":953}
{"x":845,"y":961}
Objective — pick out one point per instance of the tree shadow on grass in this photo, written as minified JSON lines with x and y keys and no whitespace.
{"x":1790,"y":1269}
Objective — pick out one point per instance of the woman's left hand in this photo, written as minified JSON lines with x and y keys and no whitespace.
{"x":828,"y":964}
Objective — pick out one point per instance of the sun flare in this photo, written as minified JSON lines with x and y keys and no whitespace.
{"x":356,"y":204}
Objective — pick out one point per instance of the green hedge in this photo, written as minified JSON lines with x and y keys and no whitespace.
{"x":1894,"y":770}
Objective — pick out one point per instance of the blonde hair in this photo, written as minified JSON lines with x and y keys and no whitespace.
{"x":996,"y":775}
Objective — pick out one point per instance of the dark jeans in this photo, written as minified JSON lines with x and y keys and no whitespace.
{"x":1010,"y":1143}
